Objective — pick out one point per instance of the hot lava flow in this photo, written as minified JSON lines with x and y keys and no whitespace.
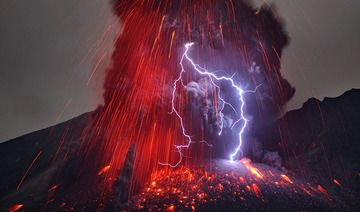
{"x":227,"y":186}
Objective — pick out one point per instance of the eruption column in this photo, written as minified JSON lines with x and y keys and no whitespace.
{"x":212,"y":78}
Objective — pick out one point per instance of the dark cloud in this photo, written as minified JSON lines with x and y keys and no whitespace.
{"x":323,"y":56}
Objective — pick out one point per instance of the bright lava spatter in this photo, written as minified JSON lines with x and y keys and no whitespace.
{"x":212,"y":77}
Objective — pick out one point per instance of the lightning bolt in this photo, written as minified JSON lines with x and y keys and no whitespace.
{"x":212,"y":77}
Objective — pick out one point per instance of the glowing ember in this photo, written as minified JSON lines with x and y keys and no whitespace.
{"x":103,"y":170}
{"x":256,"y":190}
{"x":170,"y":208}
{"x":16,"y":207}
{"x":286,"y":178}
{"x":189,"y":188}
{"x":28,"y":170}
{"x":53,"y":188}
{"x":322,"y":189}
{"x":252,"y":169}
{"x":337,"y":183}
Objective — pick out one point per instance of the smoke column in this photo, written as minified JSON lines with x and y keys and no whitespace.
{"x":231,"y":37}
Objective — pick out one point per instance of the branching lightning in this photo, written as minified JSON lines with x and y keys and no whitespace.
{"x":212,"y":78}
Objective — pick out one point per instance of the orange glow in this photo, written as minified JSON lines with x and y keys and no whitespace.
{"x":170,"y":208}
{"x":242,"y":180}
{"x":256,"y":190}
{"x":103,"y":170}
{"x":287,"y":178}
{"x":189,"y":188}
{"x":171,"y":43}
{"x":252,"y":169}
{"x":16,"y":207}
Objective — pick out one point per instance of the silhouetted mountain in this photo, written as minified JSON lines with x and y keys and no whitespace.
{"x":322,"y":137}
{"x":28,"y":164}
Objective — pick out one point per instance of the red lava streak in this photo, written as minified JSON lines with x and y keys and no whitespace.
{"x":252,"y":169}
{"x":103,"y":170}
{"x":322,"y":189}
{"x":28,"y":170}
{"x":145,"y":62}
{"x":256,"y":190}
{"x":337,"y":183}
{"x":16,"y":207}
{"x":286,"y":178}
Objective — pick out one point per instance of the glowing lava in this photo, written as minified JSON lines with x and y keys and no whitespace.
{"x":239,"y":185}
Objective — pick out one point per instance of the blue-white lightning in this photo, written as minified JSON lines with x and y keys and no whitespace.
{"x":212,"y":78}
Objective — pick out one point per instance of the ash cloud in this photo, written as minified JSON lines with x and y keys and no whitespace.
{"x":233,"y":39}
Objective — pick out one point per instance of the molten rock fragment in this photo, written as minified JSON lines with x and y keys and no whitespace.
{"x":231,"y":186}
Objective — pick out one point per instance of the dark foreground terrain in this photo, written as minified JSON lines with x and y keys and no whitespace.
{"x":321,"y":160}
{"x":241,"y":186}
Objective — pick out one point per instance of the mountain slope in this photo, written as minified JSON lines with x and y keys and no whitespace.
{"x":320,"y":145}
{"x":29,"y":163}
{"x":324,"y":137}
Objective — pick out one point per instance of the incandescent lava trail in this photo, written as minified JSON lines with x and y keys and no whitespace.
{"x":231,"y":36}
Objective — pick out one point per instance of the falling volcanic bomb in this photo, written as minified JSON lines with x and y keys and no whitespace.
{"x":231,"y":37}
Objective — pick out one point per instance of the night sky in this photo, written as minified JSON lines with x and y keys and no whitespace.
{"x":50,"y":49}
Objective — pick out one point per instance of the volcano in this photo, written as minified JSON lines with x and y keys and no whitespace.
{"x":39,"y":170}
{"x":190,"y":122}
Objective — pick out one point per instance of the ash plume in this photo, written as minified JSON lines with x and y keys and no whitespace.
{"x":232,"y":38}
{"x":261,"y":35}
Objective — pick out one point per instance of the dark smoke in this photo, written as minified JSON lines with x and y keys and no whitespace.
{"x":249,"y":45}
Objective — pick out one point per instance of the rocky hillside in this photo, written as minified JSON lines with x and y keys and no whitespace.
{"x":322,"y":137}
